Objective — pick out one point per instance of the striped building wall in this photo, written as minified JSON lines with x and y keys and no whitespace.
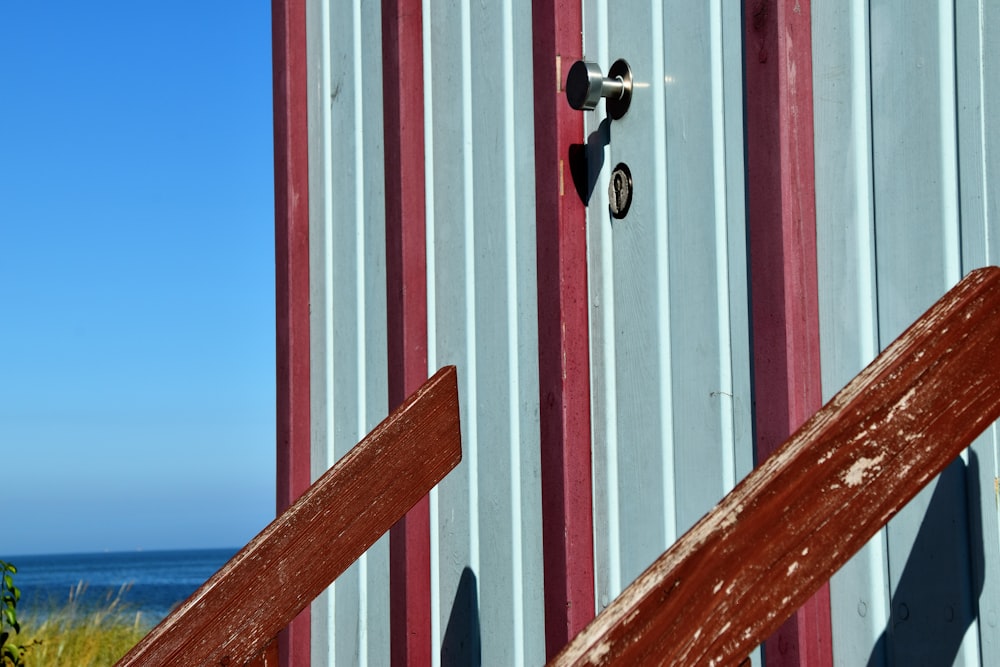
{"x":618,"y":377}
{"x":480,"y":313}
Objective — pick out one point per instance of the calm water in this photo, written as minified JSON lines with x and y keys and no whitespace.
{"x":157,"y":580}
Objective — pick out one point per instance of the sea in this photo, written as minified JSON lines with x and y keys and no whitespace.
{"x":150,"y":583}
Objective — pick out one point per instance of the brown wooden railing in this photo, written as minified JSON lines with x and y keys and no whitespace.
{"x":234,"y":617}
{"x":732,"y":579}
{"x":721,"y":589}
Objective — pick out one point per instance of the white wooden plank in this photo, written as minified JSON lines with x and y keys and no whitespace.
{"x":603,"y":356}
{"x":883,"y":257}
{"x":669,"y":324}
{"x":641,"y":303}
{"x":702,"y":302}
{"x":859,"y":596}
{"x":918,"y":257}
{"x":347,"y":265}
{"x":734,"y":187}
{"x":977,"y":30}
{"x":455,"y":559}
{"x":487,"y":557}
{"x":505,"y":320}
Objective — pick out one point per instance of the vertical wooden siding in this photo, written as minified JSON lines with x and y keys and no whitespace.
{"x":474,"y":133}
{"x":977,"y":58}
{"x":348,"y":297}
{"x":486,"y":555}
{"x":906,"y":172}
{"x":668,"y":290}
{"x":486,"y":515}
{"x":848,"y":297}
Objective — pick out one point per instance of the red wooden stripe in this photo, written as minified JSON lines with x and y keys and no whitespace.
{"x":233,"y":616}
{"x":801,"y":515}
{"x":406,"y":284}
{"x":291,"y":246}
{"x":563,"y":355}
{"x":782,"y":218}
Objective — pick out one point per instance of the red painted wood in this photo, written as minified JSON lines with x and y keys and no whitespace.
{"x":291,"y":246}
{"x":563,"y":356}
{"x":236,"y":613}
{"x":782,"y":219}
{"x":801,"y":515}
{"x":406,"y":284}
{"x":266,"y":658}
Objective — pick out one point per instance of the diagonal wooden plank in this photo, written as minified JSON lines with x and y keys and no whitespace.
{"x":268,"y":657}
{"x":783,"y":531}
{"x":231,"y":618}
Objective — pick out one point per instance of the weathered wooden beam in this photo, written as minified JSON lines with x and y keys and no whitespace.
{"x":232,"y":617}
{"x":268,"y":657}
{"x":784,"y":530}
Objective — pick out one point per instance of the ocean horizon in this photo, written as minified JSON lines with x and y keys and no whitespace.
{"x":149,"y":583}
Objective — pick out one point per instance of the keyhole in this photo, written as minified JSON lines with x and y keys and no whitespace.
{"x":619,"y":187}
{"x":620,"y":191}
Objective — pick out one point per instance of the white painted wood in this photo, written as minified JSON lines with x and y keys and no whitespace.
{"x":904,"y":154}
{"x":349,"y":392}
{"x":917,"y":259}
{"x":451,"y":339}
{"x":859,"y":596}
{"x":977,"y":31}
{"x":486,"y":515}
{"x":669,"y":306}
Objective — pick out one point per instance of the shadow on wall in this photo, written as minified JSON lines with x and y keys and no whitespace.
{"x":586,"y":160}
{"x":936,"y":599}
{"x":462,"y":645}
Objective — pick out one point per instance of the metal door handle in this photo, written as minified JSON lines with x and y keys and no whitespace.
{"x":586,"y":85}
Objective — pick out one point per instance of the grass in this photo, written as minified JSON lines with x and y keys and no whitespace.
{"x":81,"y":634}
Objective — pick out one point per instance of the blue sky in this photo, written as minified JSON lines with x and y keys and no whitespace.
{"x":136,"y":275}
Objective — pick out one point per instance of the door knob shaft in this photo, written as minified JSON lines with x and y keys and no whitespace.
{"x":586,"y":85}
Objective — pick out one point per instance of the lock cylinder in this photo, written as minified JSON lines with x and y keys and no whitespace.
{"x":620,"y":191}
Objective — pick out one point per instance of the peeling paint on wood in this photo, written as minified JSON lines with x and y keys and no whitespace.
{"x":793,"y":522}
{"x":233,"y":616}
{"x":266,"y":658}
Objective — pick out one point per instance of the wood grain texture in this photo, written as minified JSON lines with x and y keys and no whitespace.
{"x":563,"y":339}
{"x":291,"y":250}
{"x":746,"y":566}
{"x":268,"y":657}
{"x":242,"y":607}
